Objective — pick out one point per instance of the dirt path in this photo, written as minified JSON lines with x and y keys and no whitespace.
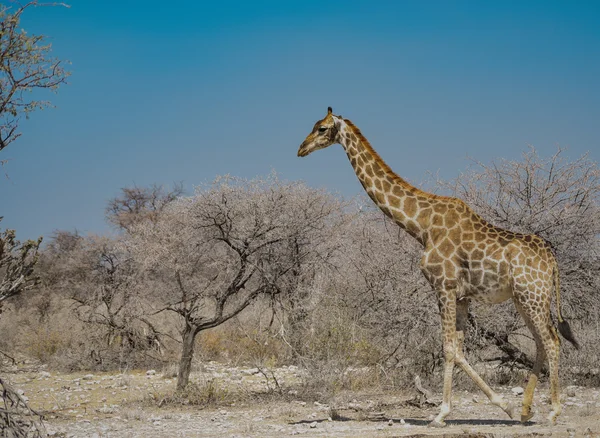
{"x":125,"y":405}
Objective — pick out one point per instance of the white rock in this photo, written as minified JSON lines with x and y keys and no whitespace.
{"x":88,"y":377}
{"x":45,"y":375}
{"x":517,"y":390}
{"x":313,"y":424}
{"x":150,"y":372}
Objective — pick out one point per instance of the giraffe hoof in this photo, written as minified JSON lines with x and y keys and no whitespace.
{"x":437,"y":423}
{"x":509,"y":409}
{"x":526,"y":417}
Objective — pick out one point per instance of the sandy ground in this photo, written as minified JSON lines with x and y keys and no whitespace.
{"x":127,"y":405}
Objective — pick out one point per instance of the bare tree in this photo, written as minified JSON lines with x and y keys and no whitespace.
{"x":211,"y":255}
{"x":25,"y":65}
{"x":138,"y":204}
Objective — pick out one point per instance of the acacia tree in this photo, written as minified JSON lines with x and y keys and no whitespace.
{"x":552,"y":197}
{"x":209,"y":256}
{"x":25,"y":65}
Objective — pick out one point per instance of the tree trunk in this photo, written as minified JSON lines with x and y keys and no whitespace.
{"x":187,"y":354}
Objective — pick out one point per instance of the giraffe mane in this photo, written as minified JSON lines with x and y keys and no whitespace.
{"x":397,"y":178}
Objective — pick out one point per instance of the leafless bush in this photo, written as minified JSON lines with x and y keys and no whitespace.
{"x":87,"y":314}
{"x":370,"y":310}
{"x":17,"y":262}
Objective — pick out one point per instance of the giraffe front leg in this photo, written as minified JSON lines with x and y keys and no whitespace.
{"x":462,"y":313}
{"x":495,"y":398}
{"x":446,"y":406}
{"x":447,"y":303}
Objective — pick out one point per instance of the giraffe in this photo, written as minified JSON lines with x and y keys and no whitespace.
{"x":465,"y":258}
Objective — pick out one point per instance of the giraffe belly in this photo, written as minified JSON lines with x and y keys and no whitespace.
{"x":491,"y":289}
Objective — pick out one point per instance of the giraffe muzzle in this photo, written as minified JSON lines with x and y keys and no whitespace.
{"x":303,"y":151}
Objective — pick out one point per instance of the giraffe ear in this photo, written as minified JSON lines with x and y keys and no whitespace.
{"x":329,"y":110}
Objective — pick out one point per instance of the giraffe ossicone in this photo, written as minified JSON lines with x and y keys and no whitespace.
{"x":465,"y":258}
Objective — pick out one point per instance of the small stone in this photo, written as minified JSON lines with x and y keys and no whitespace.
{"x":88,"y":377}
{"x":571,"y":391}
{"x":517,"y":390}
{"x":402,"y":421}
{"x":156,"y":422}
{"x":251,"y":371}
{"x":45,"y":375}
{"x":390,"y":422}
{"x":313,"y":424}
{"x":150,"y":372}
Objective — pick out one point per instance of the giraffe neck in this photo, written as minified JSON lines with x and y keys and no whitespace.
{"x":407,"y":205}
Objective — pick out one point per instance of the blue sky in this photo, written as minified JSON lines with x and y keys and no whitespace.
{"x":184,"y":91}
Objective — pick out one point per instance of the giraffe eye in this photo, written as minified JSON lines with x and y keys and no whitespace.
{"x":322,"y":129}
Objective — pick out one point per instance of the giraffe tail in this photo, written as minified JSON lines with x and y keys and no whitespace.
{"x":563,"y":326}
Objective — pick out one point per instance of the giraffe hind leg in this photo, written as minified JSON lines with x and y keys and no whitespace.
{"x":537,"y":314}
{"x":494,"y":397}
{"x":527,"y":413}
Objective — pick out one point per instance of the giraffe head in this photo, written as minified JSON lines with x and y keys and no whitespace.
{"x":323,"y":134}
